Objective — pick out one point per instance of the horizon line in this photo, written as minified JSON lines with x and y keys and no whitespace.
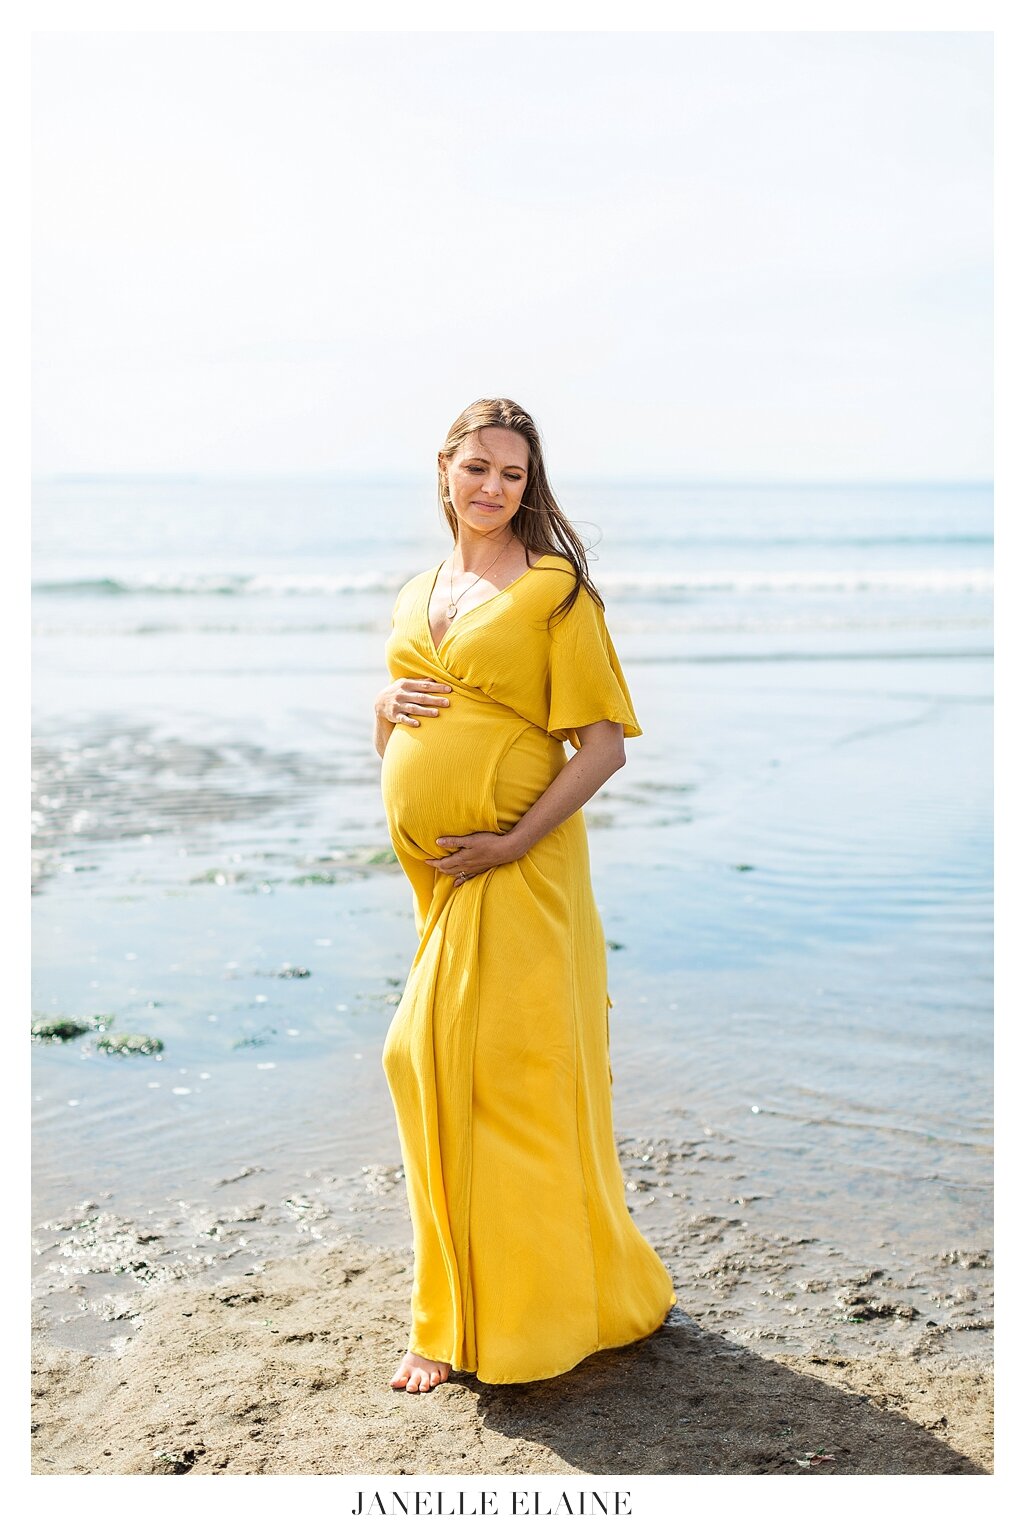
{"x":341,"y":476}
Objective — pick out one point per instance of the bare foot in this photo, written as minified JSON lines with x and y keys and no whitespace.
{"x":418,"y":1374}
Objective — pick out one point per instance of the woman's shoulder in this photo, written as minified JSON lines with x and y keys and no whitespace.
{"x":409,"y":594}
{"x":555,"y":578}
{"x":415,"y":581}
{"x":557,"y":564}
{"x":564,"y":577}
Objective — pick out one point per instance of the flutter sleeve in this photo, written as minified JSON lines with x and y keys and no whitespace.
{"x":585,"y":679}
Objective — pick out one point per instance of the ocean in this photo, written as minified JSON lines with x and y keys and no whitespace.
{"x":794,"y":870}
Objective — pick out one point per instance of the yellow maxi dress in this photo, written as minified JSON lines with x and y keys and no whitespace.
{"x":526,"y":1259}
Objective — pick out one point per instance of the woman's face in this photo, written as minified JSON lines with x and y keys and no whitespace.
{"x":487,"y":477}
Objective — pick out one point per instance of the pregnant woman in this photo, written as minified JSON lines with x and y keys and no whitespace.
{"x":526,"y":1259}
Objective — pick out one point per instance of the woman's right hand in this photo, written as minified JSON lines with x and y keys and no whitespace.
{"x":407,"y":700}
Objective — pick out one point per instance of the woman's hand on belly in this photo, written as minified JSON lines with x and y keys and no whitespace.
{"x":472,"y":854}
{"x":410,"y":698}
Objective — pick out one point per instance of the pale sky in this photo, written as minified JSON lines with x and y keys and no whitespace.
{"x":717,"y":256}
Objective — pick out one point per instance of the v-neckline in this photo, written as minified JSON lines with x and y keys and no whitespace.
{"x":436,"y":646}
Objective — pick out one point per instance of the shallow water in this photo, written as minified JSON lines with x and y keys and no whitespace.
{"x":794,"y":869}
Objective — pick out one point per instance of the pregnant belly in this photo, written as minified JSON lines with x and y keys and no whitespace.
{"x":468,"y":769}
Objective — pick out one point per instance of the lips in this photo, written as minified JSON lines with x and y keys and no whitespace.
{"x":484,"y":506}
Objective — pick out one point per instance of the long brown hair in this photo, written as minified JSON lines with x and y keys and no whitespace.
{"x":540,"y":522}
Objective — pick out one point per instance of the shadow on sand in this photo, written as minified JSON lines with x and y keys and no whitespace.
{"x":688,"y":1401}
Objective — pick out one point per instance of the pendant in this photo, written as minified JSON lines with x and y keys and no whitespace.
{"x":451,"y":609}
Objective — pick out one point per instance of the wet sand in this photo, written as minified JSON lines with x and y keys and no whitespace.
{"x":779,"y":1347}
{"x":287,"y":1371}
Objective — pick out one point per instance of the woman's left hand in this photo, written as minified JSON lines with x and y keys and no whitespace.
{"x":471,"y":854}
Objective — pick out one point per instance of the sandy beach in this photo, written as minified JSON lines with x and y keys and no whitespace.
{"x":189,"y":1354}
{"x":287,"y":1372}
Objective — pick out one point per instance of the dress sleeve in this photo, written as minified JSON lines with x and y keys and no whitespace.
{"x":585,"y":679}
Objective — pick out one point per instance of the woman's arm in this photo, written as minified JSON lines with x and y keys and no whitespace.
{"x":382,"y":730}
{"x":601,"y":753}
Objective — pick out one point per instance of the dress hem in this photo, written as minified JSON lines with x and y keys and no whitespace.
{"x":559,"y":1372}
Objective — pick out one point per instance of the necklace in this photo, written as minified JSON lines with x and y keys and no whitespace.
{"x":453,"y":605}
